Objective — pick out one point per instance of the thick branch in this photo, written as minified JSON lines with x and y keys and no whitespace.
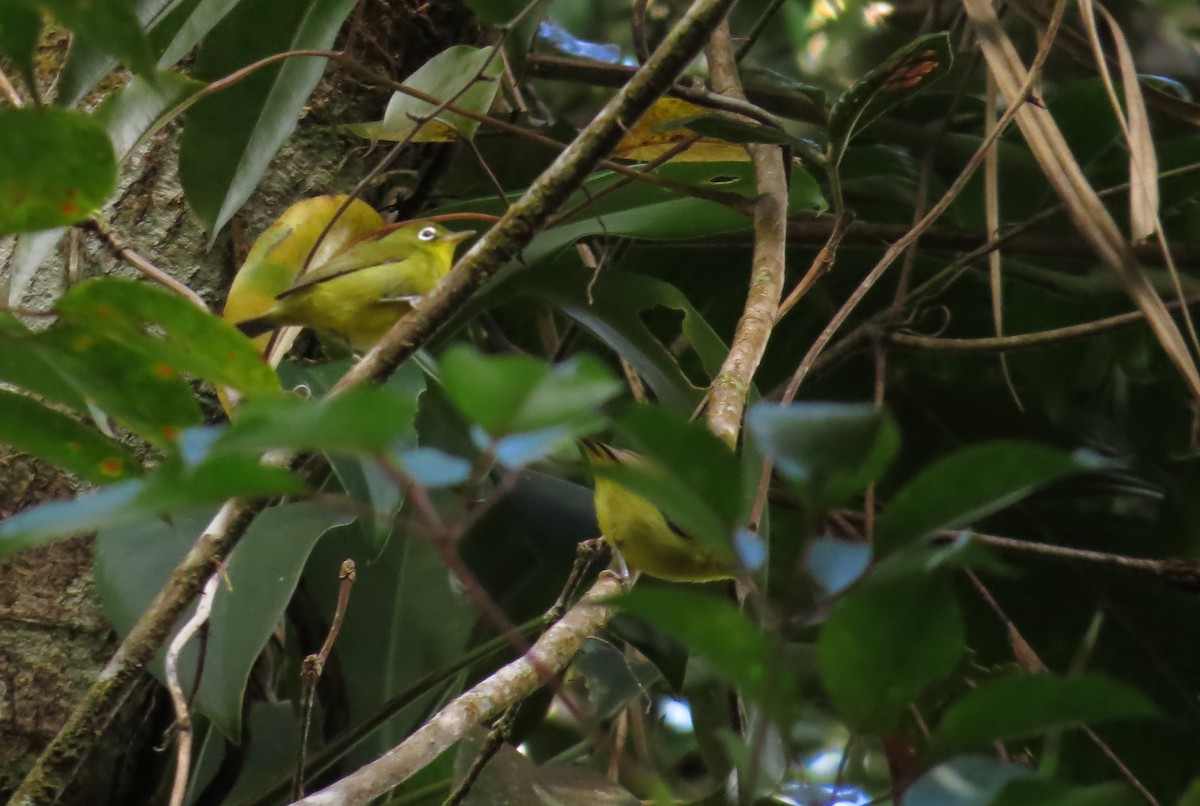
{"x":727,"y":397}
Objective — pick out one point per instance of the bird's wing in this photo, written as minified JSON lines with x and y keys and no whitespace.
{"x":365,"y":255}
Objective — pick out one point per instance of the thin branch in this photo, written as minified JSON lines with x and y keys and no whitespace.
{"x":934,"y":213}
{"x":183,"y":719}
{"x":1029,"y":658}
{"x":56,"y":767}
{"x":1023,"y":341}
{"x":104,"y":233}
{"x":727,"y":394}
{"x":509,"y":684}
{"x":314,"y":666}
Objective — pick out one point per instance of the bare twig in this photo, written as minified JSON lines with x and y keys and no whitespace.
{"x":104,"y":233}
{"x":314,"y":666}
{"x":183,"y":719}
{"x":491,"y":746}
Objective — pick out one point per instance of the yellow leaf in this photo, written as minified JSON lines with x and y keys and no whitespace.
{"x":645,"y":142}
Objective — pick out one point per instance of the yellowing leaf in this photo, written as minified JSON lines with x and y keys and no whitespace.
{"x":279,"y":255}
{"x":648,"y":141}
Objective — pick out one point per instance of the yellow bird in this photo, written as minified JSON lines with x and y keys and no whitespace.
{"x":640,"y":533}
{"x":362,"y":291}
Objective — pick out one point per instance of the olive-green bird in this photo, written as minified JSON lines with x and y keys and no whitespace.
{"x":359,"y":293}
{"x":641,"y":534}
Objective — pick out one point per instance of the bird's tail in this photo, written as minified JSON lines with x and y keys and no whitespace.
{"x":256,"y":326}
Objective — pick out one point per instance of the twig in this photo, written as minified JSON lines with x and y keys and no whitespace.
{"x":727,"y":394}
{"x":1029,"y":658}
{"x":760,"y":25}
{"x":102,"y":231}
{"x":1023,"y":341}
{"x":511,"y":683}
{"x":491,"y":746}
{"x":637,"y":25}
{"x":314,"y":666}
{"x":9,"y":91}
{"x":934,"y":213}
{"x":55,"y":768}
{"x":516,"y":228}
{"x":183,"y":719}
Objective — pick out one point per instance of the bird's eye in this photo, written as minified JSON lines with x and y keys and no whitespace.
{"x":427,"y":234}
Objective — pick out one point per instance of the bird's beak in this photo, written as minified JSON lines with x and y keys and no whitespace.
{"x":459,"y":237}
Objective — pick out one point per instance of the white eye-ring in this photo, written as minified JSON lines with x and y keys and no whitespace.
{"x":427,"y":234}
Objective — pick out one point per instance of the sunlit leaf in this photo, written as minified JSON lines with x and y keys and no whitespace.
{"x":667,"y":125}
{"x":463,"y":75}
{"x":56,"y":167}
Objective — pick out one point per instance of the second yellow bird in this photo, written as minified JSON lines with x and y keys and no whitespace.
{"x":640,"y":532}
{"x":361,"y":292}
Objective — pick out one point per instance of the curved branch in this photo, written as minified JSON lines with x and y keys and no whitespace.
{"x":508,"y":685}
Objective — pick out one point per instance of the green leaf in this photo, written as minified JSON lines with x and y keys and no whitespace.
{"x":463,"y":73}
{"x":830,"y":451}
{"x":884,"y":644}
{"x":30,"y":365}
{"x":133,"y":110}
{"x":147,"y":395}
{"x":966,"y":781}
{"x":641,"y":210}
{"x":63,"y":441}
{"x":56,"y":167}
{"x":87,"y":63}
{"x":970,"y":484}
{"x":194,"y":342}
{"x":906,"y":72}
{"x":703,"y":477}
{"x":231,"y":137}
{"x":731,"y":130}
{"x":20,"y":27}
{"x":363,"y":420}
{"x":134,"y":562}
{"x":110,"y":27}
{"x":518,"y":394}
{"x":613,"y":680}
{"x":171,"y":488}
{"x":715,"y":630}
{"x":1017,"y":706}
{"x":612,"y":309}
